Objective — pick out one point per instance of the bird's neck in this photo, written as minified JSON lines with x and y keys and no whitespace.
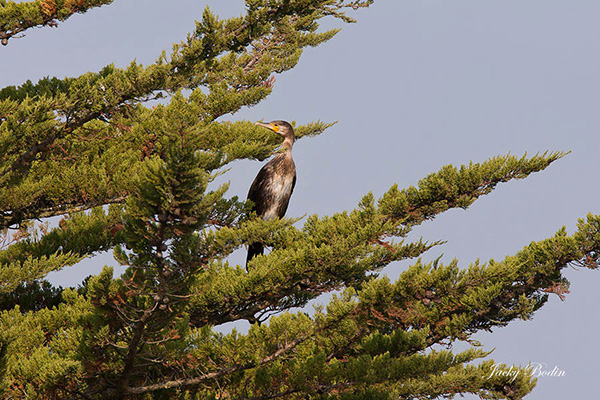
{"x":287,"y":144}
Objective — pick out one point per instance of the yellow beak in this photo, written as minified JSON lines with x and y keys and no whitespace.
{"x":270,"y":126}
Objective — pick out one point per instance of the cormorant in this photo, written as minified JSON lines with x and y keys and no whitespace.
{"x":273,"y":186}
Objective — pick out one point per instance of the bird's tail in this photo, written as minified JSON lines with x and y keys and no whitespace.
{"x":253,"y":250}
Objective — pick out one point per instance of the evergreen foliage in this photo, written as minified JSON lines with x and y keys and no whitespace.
{"x":32,"y":296}
{"x":137,"y":180}
{"x":18,"y":17}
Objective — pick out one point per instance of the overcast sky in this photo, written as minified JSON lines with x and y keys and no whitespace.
{"x":414,"y":85}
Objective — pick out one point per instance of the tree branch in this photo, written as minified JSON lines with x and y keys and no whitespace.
{"x":217,"y":374}
{"x":18,"y":17}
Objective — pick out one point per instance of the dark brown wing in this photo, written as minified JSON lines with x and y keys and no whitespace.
{"x":258,"y":192}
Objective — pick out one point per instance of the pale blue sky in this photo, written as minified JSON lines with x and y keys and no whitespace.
{"x":414,"y":85}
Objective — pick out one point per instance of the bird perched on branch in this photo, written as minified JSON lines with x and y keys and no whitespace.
{"x":273,"y":186}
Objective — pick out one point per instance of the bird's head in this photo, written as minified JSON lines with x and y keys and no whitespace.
{"x":281,"y":128}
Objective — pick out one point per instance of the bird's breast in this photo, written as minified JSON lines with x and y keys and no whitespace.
{"x":280,"y":190}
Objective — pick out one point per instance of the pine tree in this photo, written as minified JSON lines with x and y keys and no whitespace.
{"x":137,"y":180}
